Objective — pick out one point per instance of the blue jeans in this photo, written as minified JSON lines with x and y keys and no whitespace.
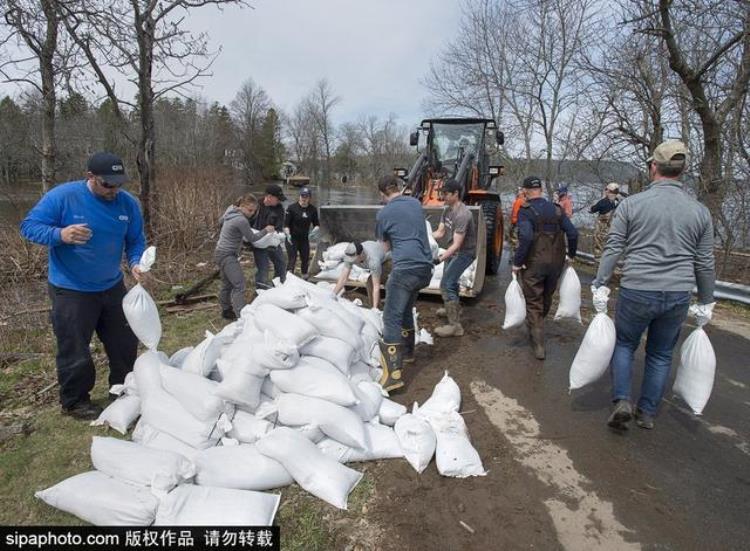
{"x":454,"y":267}
{"x":262,"y":259}
{"x":401,"y":292}
{"x":662,"y":313}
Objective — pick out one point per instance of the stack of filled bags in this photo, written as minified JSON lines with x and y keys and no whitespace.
{"x":333,"y":264}
{"x":285,"y":394}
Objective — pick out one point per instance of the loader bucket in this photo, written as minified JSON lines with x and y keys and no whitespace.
{"x":357,"y":223}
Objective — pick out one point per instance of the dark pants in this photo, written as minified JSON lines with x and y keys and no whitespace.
{"x":75,"y":316}
{"x":401,"y":291}
{"x":539,"y":283}
{"x":662,"y":313}
{"x":232,"y":294}
{"x":263,"y":259}
{"x":300,"y":244}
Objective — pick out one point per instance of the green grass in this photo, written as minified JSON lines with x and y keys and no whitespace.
{"x":58,"y":446}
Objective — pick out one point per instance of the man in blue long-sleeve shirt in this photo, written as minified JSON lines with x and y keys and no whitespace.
{"x":540,"y":256}
{"x":87,"y":225}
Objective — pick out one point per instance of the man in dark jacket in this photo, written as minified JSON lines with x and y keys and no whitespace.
{"x":540,"y":257}
{"x":301,"y":217}
{"x":270,"y":213}
{"x":605,"y":208}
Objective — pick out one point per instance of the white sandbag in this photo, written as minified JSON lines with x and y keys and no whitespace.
{"x":202,"y":359}
{"x":336,"y":351}
{"x":190,"y":505}
{"x":595,"y":352}
{"x":434,"y":247}
{"x":268,"y":241}
{"x":390,"y":412}
{"x":335,"y":421}
{"x":268,"y":408}
{"x":334,"y":322}
{"x":317,"y":378}
{"x":166,"y":414}
{"x":178,"y":358}
{"x":101,"y":500}
{"x":515,"y":304}
{"x":417,"y":440}
{"x":336,"y":252}
{"x":359,"y":371}
{"x":570,"y":296}
{"x":148,"y":436}
{"x":369,"y":398}
{"x":239,"y":386}
{"x":311,"y":432}
{"x":140,"y":309}
{"x":311,"y":289}
{"x":195,"y":393}
{"x":454,"y":454}
{"x":695,"y":374}
{"x":120,"y":414}
{"x":128,"y":387}
{"x":275,"y":353}
{"x":370,"y":338}
{"x":288,"y":298}
{"x":241,"y":355}
{"x":269,"y":389}
{"x":383,"y":444}
{"x":446,"y":397}
{"x":137,"y":464}
{"x":231,"y":330}
{"x":248,"y":428}
{"x":322,"y":476}
{"x":286,"y":326}
{"x":147,"y":375}
{"x":240,"y":467}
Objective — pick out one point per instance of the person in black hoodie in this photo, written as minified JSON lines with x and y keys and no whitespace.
{"x":300,"y":218}
{"x":270,"y":213}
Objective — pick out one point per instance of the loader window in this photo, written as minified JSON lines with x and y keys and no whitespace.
{"x":450,"y":139}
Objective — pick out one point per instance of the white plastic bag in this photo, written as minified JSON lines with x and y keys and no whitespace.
{"x":336,"y":252}
{"x":320,"y":475}
{"x":202,"y":359}
{"x":147,"y":375}
{"x":336,"y":351}
{"x":239,"y":386}
{"x":515,"y":304}
{"x":285,"y":326}
{"x":336,"y":421}
{"x":695,"y":374}
{"x":390,"y":412}
{"x":190,"y":505}
{"x":101,"y":500}
{"x":330,"y":323}
{"x":369,"y":398}
{"x":148,"y":436}
{"x":595,"y":352}
{"x":417,"y":440}
{"x":120,"y":414}
{"x":287,"y":298}
{"x":382,"y":444}
{"x":317,"y":378}
{"x":195,"y":393}
{"x":140,"y":309}
{"x":268,"y":241}
{"x":434,"y":247}
{"x":454,"y":454}
{"x":445,"y":398}
{"x":240,"y":467}
{"x":248,"y":428}
{"x":570,"y":296}
{"x":137,"y":464}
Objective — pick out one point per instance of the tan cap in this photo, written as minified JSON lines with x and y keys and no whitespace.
{"x":613,"y":186}
{"x":665,"y":152}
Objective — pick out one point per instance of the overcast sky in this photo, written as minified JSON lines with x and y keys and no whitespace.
{"x":373,"y":52}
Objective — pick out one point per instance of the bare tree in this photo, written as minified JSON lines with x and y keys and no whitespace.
{"x":249,"y":109}
{"x":147,"y":42}
{"x":323,"y":100}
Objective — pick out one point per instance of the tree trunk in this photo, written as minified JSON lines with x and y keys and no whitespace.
{"x":49,"y":98}
{"x":146,"y":157}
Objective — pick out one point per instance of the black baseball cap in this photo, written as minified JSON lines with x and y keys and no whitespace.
{"x":107,"y":166}
{"x":276,"y":191}
{"x":305,"y":192}
{"x":532,"y":182}
{"x":451,"y":186}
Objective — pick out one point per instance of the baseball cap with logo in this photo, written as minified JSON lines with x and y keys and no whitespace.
{"x":532,"y":182}
{"x":108,"y":166}
{"x":276,"y":191}
{"x":305,"y":192}
{"x":665,"y":153}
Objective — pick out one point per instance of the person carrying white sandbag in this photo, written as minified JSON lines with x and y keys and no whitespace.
{"x":593,"y":356}
{"x":456,"y":221}
{"x":540,"y":256}
{"x":87,"y":226}
{"x":666,"y":237}
{"x":695,"y":374}
{"x":270,"y":212}
{"x":235,"y":228}
{"x":368,"y":255}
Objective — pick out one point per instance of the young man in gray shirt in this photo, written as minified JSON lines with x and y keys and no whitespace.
{"x":666,"y":238}
{"x":368,"y":255}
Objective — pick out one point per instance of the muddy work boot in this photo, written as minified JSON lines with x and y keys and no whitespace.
{"x":622,"y":413}
{"x":453,"y":328}
{"x":409,"y":340}
{"x":536,"y":337}
{"x":391,"y":360}
{"x":442,"y":312}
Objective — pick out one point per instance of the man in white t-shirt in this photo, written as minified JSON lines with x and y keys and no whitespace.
{"x":368,"y":255}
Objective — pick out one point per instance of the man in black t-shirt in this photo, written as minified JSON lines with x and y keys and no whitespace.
{"x":270,"y":212}
{"x":301,"y":217}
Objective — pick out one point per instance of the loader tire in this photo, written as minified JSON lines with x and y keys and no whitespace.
{"x":493,"y":220}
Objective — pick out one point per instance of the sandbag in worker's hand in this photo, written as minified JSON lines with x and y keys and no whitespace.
{"x":702,"y":313}
{"x":600,"y":297}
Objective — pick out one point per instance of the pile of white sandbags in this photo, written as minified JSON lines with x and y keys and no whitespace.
{"x":333,"y":264}
{"x":285,"y":394}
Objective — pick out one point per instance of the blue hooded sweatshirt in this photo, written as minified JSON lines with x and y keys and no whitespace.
{"x":116,"y":226}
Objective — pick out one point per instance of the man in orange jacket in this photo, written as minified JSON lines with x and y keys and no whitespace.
{"x":517,"y":204}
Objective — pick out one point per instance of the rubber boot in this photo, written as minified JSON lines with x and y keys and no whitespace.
{"x":536,"y":333}
{"x":391,"y":360}
{"x":453,"y":327}
{"x":409,"y":340}
{"x":443,"y":311}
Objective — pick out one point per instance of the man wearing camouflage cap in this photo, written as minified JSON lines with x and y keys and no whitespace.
{"x":605,"y":208}
{"x":666,"y":237}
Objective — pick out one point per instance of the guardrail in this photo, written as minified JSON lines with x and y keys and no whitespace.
{"x":725,"y":290}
